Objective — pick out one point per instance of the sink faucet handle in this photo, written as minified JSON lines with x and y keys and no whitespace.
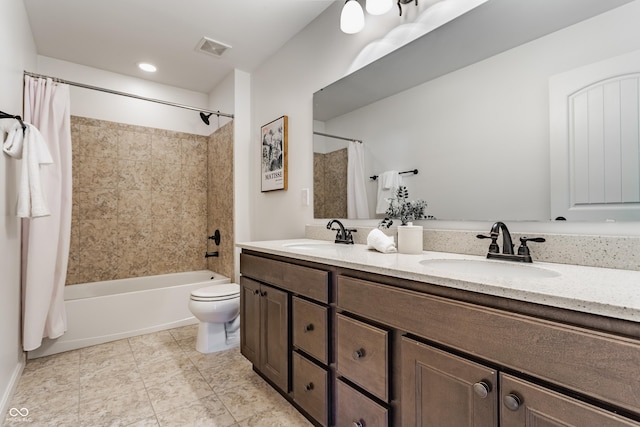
{"x":524,"y":249}
{"x":493,"y":247}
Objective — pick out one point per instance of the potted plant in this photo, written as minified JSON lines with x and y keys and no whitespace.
{"x":410,"y":237}
{"x":402,"y":208}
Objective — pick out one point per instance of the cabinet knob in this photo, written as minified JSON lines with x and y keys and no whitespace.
{"x":309,"y":327}
{"x":263,"y":293}
{"x":357,"y":423}
{"x":358,"y":354}
{"x":512,"y":401}
{"x":308,"y":387}
{"x":482,"y":389}
{"x":256,"y":292}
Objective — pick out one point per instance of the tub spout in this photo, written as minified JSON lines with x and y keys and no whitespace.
{"x":210,"y":254}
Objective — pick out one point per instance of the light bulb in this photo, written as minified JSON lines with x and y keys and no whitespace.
{"x":378,"y":7}
{"x":352,"y":17}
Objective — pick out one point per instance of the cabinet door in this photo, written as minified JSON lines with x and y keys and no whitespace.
{"x":274,"y":347}
{"x":440,"y":389}
{"x":250,"y":320}
{"x":527,"y":404}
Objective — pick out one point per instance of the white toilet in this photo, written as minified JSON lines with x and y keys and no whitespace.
{"x":217,"y":308}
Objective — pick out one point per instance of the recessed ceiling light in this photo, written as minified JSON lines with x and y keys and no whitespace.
{"x":147,"y":67}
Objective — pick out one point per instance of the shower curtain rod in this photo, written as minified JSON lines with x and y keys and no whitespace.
{"x":130,"y":95}
{"x":336,"y":137}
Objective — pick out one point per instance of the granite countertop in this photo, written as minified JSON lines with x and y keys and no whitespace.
{"x":602,"y":291}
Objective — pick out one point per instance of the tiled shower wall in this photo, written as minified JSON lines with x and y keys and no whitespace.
{"x":139,"y":201}
{"x":221,"y":199}
{"x":330,"y":184}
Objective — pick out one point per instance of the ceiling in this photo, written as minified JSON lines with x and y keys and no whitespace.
{"x":116,"y":35}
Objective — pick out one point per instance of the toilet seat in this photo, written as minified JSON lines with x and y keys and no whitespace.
{"x":221,"y":292}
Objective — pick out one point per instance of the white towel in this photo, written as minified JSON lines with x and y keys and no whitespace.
{"x":379,"y":241}
{"x":31,"y":147}
{"x":388,"y":183}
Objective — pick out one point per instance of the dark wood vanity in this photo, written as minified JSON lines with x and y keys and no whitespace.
{"x":353,"y":348}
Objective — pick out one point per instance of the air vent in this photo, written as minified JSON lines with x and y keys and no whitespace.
{"x":211,"y":47}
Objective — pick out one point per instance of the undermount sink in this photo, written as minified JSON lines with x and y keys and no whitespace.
{"x":311,"y":245}
{"x":489,"y":268}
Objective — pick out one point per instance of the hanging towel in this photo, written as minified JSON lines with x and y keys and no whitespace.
{"x":388,"y":183}
{"x":30,"y":147}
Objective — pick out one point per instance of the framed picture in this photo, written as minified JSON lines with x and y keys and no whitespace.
{"x":274,"y":155}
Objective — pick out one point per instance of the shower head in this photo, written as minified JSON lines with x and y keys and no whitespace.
{"x":205,"y":117}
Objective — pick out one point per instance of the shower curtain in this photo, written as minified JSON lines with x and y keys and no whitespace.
{"x":357,"y":205}
{"x":45,"y":240}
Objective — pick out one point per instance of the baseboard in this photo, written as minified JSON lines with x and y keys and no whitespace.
{"x":10,"y":390}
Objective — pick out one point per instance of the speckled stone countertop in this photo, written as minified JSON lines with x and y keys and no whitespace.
{"x":602,"y":291}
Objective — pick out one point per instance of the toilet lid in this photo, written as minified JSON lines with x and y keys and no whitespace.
{"x":223,"y":291}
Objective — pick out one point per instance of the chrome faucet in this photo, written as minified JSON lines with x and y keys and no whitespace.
{"x":343,"y":234}
{"x":523,"y":254}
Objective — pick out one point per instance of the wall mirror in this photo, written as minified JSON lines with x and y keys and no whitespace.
{"x":468,"y":106}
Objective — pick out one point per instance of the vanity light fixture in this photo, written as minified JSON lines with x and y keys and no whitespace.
{"x":144,"y":66}
{"x":378,"y":7}
{"x":352,"y":16}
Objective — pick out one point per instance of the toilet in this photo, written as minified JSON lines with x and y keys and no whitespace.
{"x":217,"y":308}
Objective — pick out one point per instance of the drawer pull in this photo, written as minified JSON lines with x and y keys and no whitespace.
{"x":512,"y":402}
{"x":308,"y":387}
{"x":308,"y":328}
{"x":358,"y":354}
{"x":482,"y":389}
{"x":357,"y":423}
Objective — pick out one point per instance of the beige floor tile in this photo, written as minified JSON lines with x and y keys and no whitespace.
{"x":178,"y":391}
{"x":285,"y":416}
{"x":185,"y":332}
{"x":246,"y":402}
{"x":101,"y":352}
{"x":147,"y":422}
{"x":153,"y":380}
{"x":125,"y":406}
{"x":206,"y":412}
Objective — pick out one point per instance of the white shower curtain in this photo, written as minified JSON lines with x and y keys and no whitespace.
{"x":45,"y":240}
{"x":357,"y":206}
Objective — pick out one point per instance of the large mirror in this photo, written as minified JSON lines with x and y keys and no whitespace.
{"x":467,"y":105}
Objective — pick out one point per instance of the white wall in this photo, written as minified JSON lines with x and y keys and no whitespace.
{"x":284,"y":85}
{"x":480,"y":135}
{"x":321,"y":54}
{"x":17,"y":52}
{"x":122,"y":109}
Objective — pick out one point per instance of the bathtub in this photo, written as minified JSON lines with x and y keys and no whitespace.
{"x":106,"y":311}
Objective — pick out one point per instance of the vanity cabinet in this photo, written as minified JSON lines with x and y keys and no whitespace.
{"x":454,"y":354}
{"x":441,"y":389}
{"x":351,"y":348}
{"x":264,"y":313}
{"x":285,"y":330}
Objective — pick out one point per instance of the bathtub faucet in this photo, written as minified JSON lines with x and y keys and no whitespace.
{"x":210,"y":254}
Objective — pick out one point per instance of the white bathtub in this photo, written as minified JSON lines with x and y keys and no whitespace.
{"x":99,"y":312}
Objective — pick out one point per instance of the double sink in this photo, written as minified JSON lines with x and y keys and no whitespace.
{"x":448,"y":266}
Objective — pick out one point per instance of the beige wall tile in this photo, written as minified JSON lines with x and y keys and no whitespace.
{"x":144,"y":203}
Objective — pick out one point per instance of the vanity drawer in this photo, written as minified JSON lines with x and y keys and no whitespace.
{"x":591,"y":362}
{"x":353,"y":408}
{"x":363,"y":355}
{"x":310,"y":332}
{"x":310,"y":388}
{"x":310,"y":282}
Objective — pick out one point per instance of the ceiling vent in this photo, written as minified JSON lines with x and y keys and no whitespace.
{"x":211,"y":47}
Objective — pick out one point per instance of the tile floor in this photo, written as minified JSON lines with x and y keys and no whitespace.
{"x":157,"y":379}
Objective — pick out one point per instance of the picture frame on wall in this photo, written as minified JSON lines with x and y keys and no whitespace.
{"x":274,"y":154}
